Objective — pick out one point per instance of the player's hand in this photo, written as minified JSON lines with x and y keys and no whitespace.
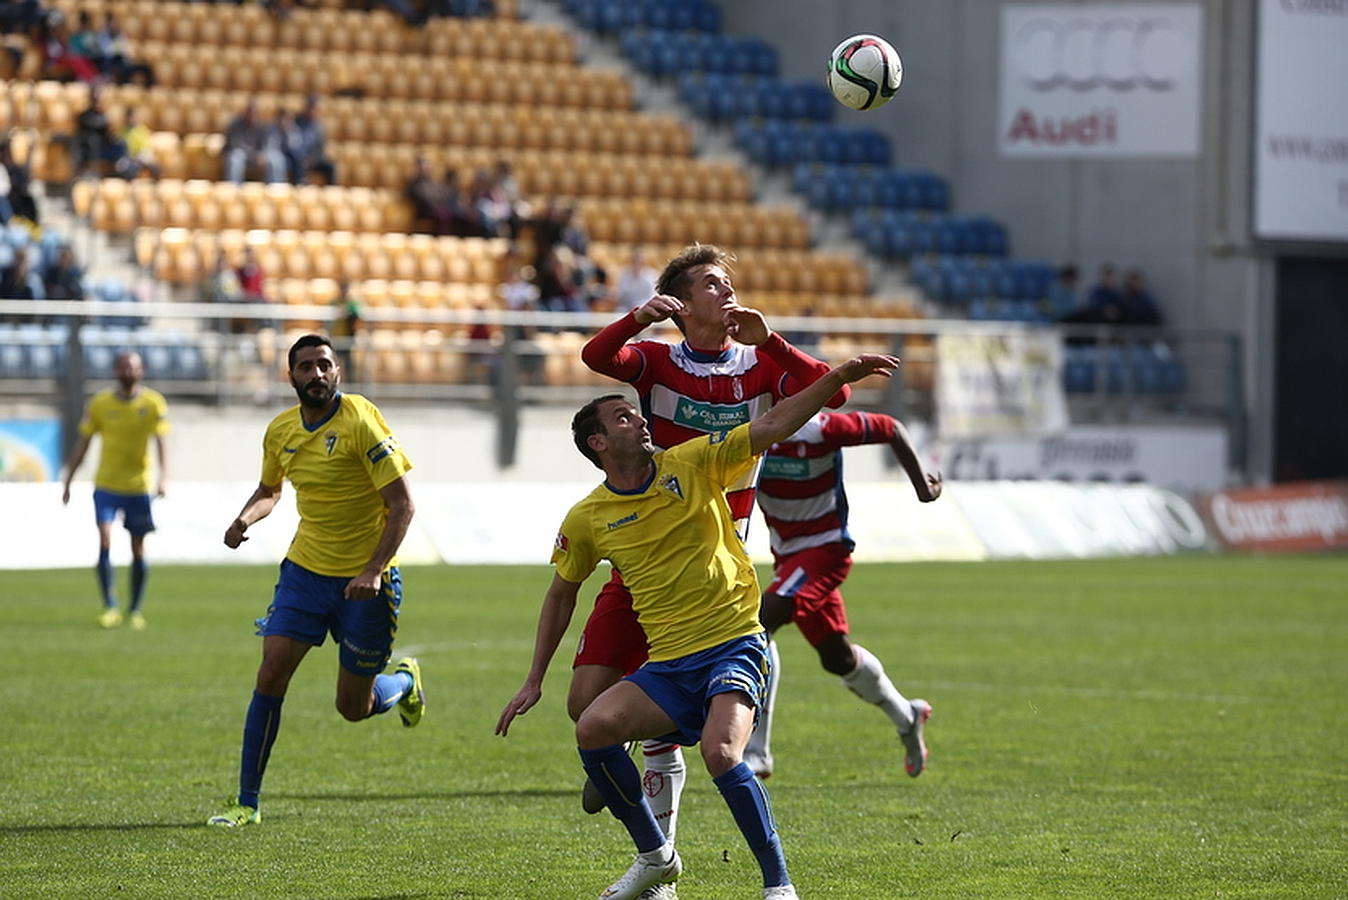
{"x":519,"y":704}
{"x":162,"y":489}
{"x":65,"y":496}
{"x":867,"y":364}
{"x":363,"y":586}
{"x":931,"y":487}
{"x":234,"y":534}
{"x":657,"y":309}
{"x":746,"y":326}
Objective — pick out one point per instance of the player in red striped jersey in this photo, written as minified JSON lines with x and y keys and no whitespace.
{"x":802,"y":497}
{"x":730,"y":368}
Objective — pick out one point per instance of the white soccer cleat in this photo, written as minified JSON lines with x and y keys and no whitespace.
{"x":915,"y":757}
{"x":785,"y":892}
{"x":659,"y":892}
{"x":759,"y":764}
{"x":643,"y":875}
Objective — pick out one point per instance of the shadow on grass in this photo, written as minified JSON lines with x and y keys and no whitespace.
{"x":380,"y":797}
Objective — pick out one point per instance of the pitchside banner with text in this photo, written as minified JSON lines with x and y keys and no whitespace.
{"x":1101,"y":80}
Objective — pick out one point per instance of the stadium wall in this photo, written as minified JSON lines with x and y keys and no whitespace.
{"x":1185,"y":222}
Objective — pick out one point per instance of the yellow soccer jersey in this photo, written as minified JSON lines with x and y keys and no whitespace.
{"x":337,"y":468}
{"x":125,"y":425}
{"x":674,"y":541}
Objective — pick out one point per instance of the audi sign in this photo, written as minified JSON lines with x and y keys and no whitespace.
{"x":1117,"y":80}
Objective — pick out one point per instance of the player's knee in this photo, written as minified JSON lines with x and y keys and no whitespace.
{"x":720,"y":757}
{"x":352,"y":709}
{"x":595,"y":731}
{"x":836,"y":656}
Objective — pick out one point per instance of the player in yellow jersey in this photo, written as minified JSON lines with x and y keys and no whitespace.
{"x":340,"y":575}
{"x":662,"y":519}
{"x":125,"y":418}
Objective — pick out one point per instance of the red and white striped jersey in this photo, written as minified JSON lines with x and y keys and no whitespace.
{"x":684,"y":393}
{"x":801,"y":488}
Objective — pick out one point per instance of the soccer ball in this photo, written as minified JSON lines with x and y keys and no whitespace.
{"x":864,"y":72}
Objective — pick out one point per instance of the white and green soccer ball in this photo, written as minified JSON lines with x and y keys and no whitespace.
{"x":864,"y":71}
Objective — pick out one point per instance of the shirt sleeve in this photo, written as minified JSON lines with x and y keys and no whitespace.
{"x":272,"y":473}
{"x":89,"y":425}
{"x":855,"y":428}
{"x":161,"y":424}
{"x":800,"y":368}
{"x":384,"y":457}
{"x":608,"y":352}
{"x":574,"y":553}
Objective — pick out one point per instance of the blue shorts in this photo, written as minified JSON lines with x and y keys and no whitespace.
{"x":307,"y":607}
{"x":683,"y":687}
{"x":135,"y":510}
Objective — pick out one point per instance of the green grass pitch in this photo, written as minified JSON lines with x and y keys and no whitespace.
{"x":1131,"y":728}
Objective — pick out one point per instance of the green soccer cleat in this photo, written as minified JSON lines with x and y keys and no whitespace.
{"x":413,"y":706}
{"x":110,"y":617}
{"x":236,"y":816}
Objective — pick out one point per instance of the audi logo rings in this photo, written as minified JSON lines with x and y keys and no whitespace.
{"x":1083,"y":54}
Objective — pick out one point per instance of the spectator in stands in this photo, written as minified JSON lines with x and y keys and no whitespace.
{"x":20,"y":200}
{"x":520,"y":292}
{"x":592,"y":291}
{"x":6,"y":208}
{"x":636,"y":282}
{"x":97,"y":148}
{"x":135,"y":136}
{"x":85,"y":39}
{"x":1062,"y":294}
{"x":313,"y":156}
{"x":490,"y":204}
{"x":20,"y":16}
{"x":1100,"y":301}
{"x":1136,"y":306}
{"x":509,"y":188}
{"x":285,"y":134}
{"x":221,"y":285}
{"x":19,"y":282}
{"x":481,"y":357}
{"x":59,"y":62}
{"x":253,"y":286}
{"x":433,"y":202}
{"x":346,"y":328}
{"x":64,"y":280}
{"x":556,"y":289}
{"x":573,"y":232}
{"x":116,"y":59}
{"x":251,"y":145}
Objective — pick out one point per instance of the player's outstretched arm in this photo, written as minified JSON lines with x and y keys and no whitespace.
{"x":559,"y":603}
{"x":76,"y":457}
{"x":398,"y":504}
{"x":780,"y":422}
{"x":259,"y":506}
{"x":607,"y":352}
{"x":927,"y":484}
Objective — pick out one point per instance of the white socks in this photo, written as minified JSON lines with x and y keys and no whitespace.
{"x":757,"y":748}
{"x":869,"y":682}
{"x":663,"y":782}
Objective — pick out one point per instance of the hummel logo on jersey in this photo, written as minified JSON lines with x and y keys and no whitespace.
{"x":671,"y":483}
{"x":625,"y":520}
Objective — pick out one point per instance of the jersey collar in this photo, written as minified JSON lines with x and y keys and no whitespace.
{"x":640,"y":490}
{"x":323,"y":421}
{"x":708,"y":356}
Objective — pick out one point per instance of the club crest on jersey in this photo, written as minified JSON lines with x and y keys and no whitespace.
{"x":330,"y":441}
{"x":670,"y":483}
{"x":738,"y":389}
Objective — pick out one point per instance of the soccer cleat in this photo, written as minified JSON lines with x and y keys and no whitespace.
{"x":659,"y":892}
{"x":236,"y":816}
{"x":110,"y":617}
{"x":915,"y":757}
{"x":643,"y":875}
{"x":413,"y":706}
{"x":759,"y":765}
{"x":136,"y":620}
{"x":784,"y":892}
